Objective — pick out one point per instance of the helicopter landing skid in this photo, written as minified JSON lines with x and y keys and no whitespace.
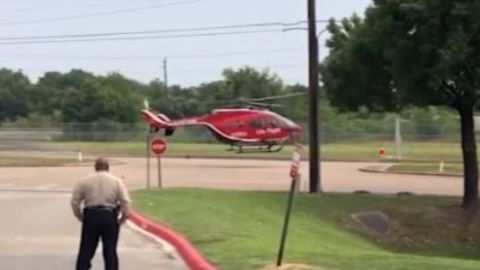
{"x":261,"y":149}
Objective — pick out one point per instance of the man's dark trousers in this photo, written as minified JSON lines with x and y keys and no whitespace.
{"x":99,"y":224}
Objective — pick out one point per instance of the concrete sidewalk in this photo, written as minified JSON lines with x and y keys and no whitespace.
{"x":38,"y":231}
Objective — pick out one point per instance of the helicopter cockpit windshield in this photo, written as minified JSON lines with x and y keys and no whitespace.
{"x":285,"y":122}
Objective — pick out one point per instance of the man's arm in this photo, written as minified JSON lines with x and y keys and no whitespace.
{"x":125,"y":201}
{"x":76,"y":201}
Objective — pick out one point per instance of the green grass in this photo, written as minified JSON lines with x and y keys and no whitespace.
{"x":427,"y":168}
{"x":361,"y":151}
{"x":240,"y":230}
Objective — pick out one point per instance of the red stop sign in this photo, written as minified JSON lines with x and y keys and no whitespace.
{"x":158,"y":146}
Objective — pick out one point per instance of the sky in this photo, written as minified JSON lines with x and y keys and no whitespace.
{"x":190,"y":60}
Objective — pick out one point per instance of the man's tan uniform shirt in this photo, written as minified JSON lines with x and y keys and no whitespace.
{"x":99,"y":189}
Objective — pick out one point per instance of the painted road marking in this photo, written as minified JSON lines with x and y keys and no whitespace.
{"x":46,"y":187}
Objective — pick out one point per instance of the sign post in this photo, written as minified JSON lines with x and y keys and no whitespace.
{"x":158,"y":146}
{"x":295,"y":175}
{"x":159,"y":168}
{"x":148,"y":160}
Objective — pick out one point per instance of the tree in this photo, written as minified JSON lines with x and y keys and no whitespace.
{"x":411,"y":52}
{"x":295,"y":107}
{"x":175,"y":101}
{"x":212,"y":94}
{"x":15,"y":90}
{"x":244,"y":84}
{"x":48,"y":94}
{"x":121,"y":100}
{"x":91,"y":99}
{"x":249,"y":83}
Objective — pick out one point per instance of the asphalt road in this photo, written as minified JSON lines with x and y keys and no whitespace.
{"x":233,"y":174}
{"x":37,"y":231}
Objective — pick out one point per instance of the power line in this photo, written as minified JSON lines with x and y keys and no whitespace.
{"x":211,"y":68}
{"x":62,"y":7}
{"x":201,"y":70}
{"x":97,"y":14}
{"x":157,"y":57}
{"x":208,"y":69}
{"x":211,"y":34}
{"x":198,"y":70}
{"x":158,"y":31}
{"x":236,"y":53}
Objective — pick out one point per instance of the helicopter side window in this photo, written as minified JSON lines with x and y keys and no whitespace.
{"x":272,"y":123}
{"x":265,"y":122}
{"x":284,"y":122}
{"x":256,"y":123}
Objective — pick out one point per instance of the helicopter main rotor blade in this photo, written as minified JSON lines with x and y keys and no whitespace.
{"x":266,"y":104}
{"x":279,"y":96}
{"x":242,"y":101}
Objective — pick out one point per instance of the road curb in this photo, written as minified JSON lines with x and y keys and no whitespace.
{"x":373,"y":170}
{"x":189,"y":253}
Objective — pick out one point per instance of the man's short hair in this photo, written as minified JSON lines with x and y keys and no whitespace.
{"x":101,"y":164}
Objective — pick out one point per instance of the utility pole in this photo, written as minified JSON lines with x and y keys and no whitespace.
{"x":165,"y":81}
{"x":165,"y":73}
{"x":315,"y":184}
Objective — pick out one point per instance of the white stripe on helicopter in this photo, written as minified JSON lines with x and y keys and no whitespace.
{"x":188,"y":122}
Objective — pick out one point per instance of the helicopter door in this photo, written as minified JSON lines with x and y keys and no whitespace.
{"x":236,"y":129}
{"x":273,"y":127}
{"x":266,"y":127}
{"x":256,"y":129}
{"x":256,"y":123}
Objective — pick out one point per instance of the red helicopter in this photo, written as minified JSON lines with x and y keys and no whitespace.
{"x":242,"y":127}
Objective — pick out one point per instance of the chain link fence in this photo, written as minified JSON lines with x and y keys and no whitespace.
{"x":118,"y":132}
{"x":404,"y":140}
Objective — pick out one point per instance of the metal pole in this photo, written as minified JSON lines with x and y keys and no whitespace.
{"x":321,"y":131}
{"x":315,"y":185}
{"x":286,"y":222}
{"x":159,"y":168}
{"x":165,"y":73}
{"x":398,"y":138}
{"x":148,"y":161}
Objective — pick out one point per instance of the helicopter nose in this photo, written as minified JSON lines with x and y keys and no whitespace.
{"x":296,"y":128}
{"x":294,"y":131}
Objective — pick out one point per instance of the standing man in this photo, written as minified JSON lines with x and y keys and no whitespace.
{"x":106,"y":206}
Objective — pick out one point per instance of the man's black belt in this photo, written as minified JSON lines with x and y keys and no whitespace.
{"x":102,"y":208}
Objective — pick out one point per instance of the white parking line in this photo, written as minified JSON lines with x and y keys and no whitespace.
{"x":6,"y":185}
{"x":46,"y":187}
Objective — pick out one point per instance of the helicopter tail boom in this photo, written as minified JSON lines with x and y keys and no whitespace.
{"x":158,"y":121}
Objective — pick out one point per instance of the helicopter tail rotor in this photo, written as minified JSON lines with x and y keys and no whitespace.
{"x":157,"y":120}
{"x":146,"y":104}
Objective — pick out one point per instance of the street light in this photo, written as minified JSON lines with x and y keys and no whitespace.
{"x":305,"y":29}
